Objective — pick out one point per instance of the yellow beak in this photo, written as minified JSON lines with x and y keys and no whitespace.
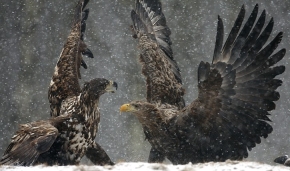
{"x":126,"y":108}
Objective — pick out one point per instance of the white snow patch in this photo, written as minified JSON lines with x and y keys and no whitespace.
{"x":220,"y":166}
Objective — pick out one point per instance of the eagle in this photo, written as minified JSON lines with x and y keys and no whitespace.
{"x":236,"y":90}
{"x":70,"y":132}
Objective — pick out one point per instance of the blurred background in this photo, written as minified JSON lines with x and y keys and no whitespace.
{"x":32,"y":34}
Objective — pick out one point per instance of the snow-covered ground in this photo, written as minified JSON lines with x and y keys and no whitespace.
{"x":221,"y":166}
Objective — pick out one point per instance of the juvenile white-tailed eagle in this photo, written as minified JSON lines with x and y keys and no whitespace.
{"x":235,"y":91}
{"x":70,"y":133}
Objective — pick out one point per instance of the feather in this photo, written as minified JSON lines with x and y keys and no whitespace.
{"x":235,"y":92}
{"x":232,"y":36}
{"x":149,"y":26}
{"x":219,"y":41}
{"x":242,"y":37}
{"x":257,"y":46}
{"x":251,"y":39}
{"x":65,"y":138}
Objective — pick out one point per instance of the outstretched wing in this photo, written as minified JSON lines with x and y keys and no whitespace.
{"x":235,"y":92}
{"x":158,"y":65}
{"x":65,"y":81}
{"x":31,"y":140}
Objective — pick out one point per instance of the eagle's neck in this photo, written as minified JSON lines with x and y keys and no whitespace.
{"x":150,"y":119}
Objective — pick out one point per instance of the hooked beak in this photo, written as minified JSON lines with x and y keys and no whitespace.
{"x":112,"y":87}
{"x":127,"y":108}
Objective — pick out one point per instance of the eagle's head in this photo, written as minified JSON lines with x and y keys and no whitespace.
{"x":96,"y":87}
{"x":137,"y":107}
{"x":148,"y":114}
{"x":140,"y":109}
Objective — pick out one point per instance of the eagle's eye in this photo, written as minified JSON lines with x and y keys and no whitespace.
{"x":136,"y":105}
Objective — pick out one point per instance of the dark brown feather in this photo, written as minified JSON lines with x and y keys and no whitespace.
{"x":65,"y":143}
{"x":235,"y":93}
{"x":31,"y":140}
{"x":158,"y":64}
{"x":98,"y":155}
{"x":64,"y":82}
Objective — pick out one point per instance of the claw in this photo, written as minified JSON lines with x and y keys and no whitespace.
{"x":88,"y":53}
{"x":85,"y":15}
{"x":83,"y":64}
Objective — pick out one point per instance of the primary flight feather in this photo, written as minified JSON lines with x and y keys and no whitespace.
{"x":235,"y":92}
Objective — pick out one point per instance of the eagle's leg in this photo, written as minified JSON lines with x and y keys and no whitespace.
{"x":98,"y":155}
{"x":156,"y":156}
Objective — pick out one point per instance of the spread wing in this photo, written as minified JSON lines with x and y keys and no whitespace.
{"x":65,"y":81}
{"x":158,"y":65}
{"x":236,"y":91}
{"x":31,"y":140}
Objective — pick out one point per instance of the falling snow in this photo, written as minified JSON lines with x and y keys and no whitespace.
{"x":32,"y":35}
{"x":224,"y":166}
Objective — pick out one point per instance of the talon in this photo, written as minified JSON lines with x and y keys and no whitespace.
{"x":88,"y":53}
{"x":83,"y":64}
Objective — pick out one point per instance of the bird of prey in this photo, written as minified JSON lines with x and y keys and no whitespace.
{"x":235,"y":92}
{"x":70,"y":133}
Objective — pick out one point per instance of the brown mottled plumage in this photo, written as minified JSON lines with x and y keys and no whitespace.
{"x":65,"y":143}
{"x":65,"y":80}
{"x":235,"y":92}
{"x":31,"y":140}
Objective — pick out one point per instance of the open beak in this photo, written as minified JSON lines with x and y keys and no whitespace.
{"x":112,"y":87}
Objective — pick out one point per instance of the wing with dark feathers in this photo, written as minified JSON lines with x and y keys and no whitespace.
{"x":31,"y":140}
{"x":28,"y":142}
{"x":283,"y":160}
{"x":158,"y":65}
{"x":236,"y":92}
{"x":98,"y":155}
{"x":65,"y":81}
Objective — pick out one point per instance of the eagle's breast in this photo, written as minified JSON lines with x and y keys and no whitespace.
{"x":80,"y":130}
